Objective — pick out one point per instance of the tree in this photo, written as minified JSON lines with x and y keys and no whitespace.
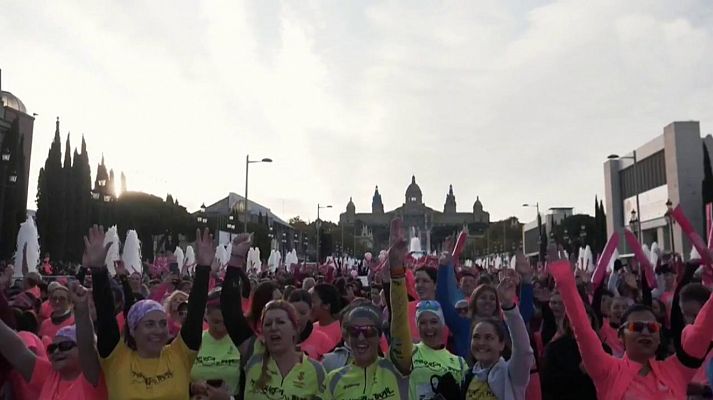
{"x":51,"y":199}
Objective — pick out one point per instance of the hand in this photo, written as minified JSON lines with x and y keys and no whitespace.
{"x":445,"y":259}
{"x":522,"y":265}
{"x":217,"y":393}
{"x":239,"y":250}
{"x":198,"y":387}
{"x":120,"y":268}
{"x":397,"y":246}
{"x":79,"y":296}
{"x":204,"y":247}
{"x":507,"y":292}
{"x":94,"y":248}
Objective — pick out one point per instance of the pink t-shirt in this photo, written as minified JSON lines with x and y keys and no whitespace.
{"x":49,"y":329}
{"x":55,"y":388}
{"x":610,"y":337}
{"x":333,"y":332}
{"x":647,"y":387}
{"x":21,"y":389}
{"x":316,"y":345}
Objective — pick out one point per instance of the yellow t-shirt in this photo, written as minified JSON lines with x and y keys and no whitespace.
{"x":479,"y":390}
{"x":304,"y":381}
{"x":130,"y":377}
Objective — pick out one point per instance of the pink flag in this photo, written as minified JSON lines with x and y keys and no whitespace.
{"x":644,"y":262}
{"x":691,"y":233}
{"x":601,"y":269}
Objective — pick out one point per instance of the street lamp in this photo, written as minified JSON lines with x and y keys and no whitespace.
{"x":669,"y":219}
{"x":6,"y":154}
{"x":248,"y":161}
{"x":318,"y":223}
{"x":634,"y":223}
{"x":636,"y":182}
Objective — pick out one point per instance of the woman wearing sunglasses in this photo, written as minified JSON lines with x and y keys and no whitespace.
{"x":368,"y":375}
{"x":273,"y":366}
{"x":638,"y":375}
{"x":61,"y":376}
{"x":430,"y":357}
{"x":492,"y":377}
{"x":144,"y":365}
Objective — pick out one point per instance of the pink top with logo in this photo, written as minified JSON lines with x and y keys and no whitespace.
{"x":619,"y":379}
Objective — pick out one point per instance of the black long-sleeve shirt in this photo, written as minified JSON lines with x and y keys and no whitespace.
{"x":231,"y":305}
{"x":108,"y":331}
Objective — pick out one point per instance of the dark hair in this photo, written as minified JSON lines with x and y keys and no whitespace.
{"x":430,"y":271}
{"x":695,"y":292}
{"x":288,"y":291}
{"x":607,"y":292}
{"x":496,"y":324}
{"x":328,"y":294}
{"x":298,"y":295}
{"x":213,"y":301}
{"x":636,"y":308}
{"x":25,"y":320}
{"x":262,"y":296}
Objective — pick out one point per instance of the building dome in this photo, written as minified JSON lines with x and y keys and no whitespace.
{"x":413,"y":192}
{"x":478,"y":205}
{"x":350,"y":206}
{"x":11,"y":101}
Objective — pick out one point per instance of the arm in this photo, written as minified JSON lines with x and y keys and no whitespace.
{"x":231,"y":305}
{"x":16,"y":353}
{"x":522,"y":354}
{"x":129,"y":298}
{"x":696,"y":338}
{"x":677,"y":321}
{"x":401,"y":347}
{"x":88,"y":357}
{"x":192,"y":329}
{"x":108,"y":335}
{"x":527,"y":300}
{"x":458,"y":325}
{"x":549,"y":324}
{"x":596,"y":360}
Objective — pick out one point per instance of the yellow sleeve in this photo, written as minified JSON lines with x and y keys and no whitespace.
{"x":179,"y":348}
{"x":401,"y":345}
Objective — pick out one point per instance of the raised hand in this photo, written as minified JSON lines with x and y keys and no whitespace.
{"x":507,"y":290}
{"x":522,"y":264}
{"x":120,"y":268}
{"x":397,"y":247}
{"x":204,"y":247}
{"x":239,"y":250}
{"x":94,"y":248}
{"x":79,"y":295}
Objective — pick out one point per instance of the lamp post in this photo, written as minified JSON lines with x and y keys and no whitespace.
{"x":248,"y":161}
{"x":318,"y":224}
{"x":634,"y":223}
{"x":637,"y":189}
{"x":669,"y":219}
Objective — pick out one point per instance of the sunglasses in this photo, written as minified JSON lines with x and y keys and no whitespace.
{"x":61,"y":346}
{"x":639,"y":326}
{"x":369,"y":331}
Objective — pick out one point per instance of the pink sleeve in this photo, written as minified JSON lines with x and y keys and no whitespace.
{"x":596,"y":360}
{"x":41,"y":372}
{"x":696,"y":338}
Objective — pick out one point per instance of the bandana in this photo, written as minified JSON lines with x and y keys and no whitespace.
{"x":429,"y":306}
{"x":138,"y":311}
{"x":68,"y":332}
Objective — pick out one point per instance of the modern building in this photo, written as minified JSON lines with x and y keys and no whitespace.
{"x":638,"y":186}
{"x":226,"y":212}
{"x":531,"y":234}
{"x":420,"y":221}
{"x":16,"y":127}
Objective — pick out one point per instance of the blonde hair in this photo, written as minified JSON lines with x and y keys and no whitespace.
{"x":288,"y":308}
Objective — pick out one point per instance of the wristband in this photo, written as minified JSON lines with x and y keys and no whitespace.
{"x":508,"y":308}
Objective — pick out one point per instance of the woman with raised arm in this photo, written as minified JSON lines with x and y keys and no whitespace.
{"x":638,"y":375}
{"x":274,"y":367}
{"x":491,"y":376}
{"x":368,"y":375}
{"x":143,"y":365}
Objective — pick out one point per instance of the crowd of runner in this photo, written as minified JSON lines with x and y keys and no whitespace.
{"x":421,"y":329}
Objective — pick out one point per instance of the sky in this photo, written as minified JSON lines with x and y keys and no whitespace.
{"x":512,"y":101}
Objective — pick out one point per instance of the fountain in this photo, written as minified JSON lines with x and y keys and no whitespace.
{"x":27,"y":235}
{"x":180,"y":257}
{"x":132,"y":253}
{"x":113,"y":254}
{"x":190,"y":262}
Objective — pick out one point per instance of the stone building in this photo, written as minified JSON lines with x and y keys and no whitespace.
{"x":429,"y":225}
